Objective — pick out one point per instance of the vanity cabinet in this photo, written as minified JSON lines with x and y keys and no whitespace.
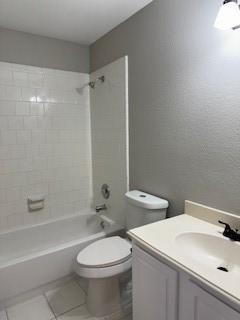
{"x":162,"y":293}
{"x":154,"y":288}
{"x":195,"y":303}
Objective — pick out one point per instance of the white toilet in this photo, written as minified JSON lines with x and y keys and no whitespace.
{"x":103,"y":261}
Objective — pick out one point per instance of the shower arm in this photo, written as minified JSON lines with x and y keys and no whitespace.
{"x":93,"y":83}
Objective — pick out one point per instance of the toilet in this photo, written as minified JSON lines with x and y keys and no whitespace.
{"x":104,"y":261}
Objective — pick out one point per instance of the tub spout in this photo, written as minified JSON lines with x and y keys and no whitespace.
{"x":101,"y":208}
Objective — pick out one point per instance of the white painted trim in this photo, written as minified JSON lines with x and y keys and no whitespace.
{"x":127,"y":120}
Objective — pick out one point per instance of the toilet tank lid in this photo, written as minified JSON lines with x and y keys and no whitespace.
{"x":145,"y":200}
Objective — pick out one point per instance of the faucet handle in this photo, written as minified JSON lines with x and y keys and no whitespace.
{"x":229,"y":232}
{"x":227,"y":226}
{"x":227,"y":229}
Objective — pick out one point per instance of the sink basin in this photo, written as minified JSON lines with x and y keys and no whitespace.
{"x":209,"y":250}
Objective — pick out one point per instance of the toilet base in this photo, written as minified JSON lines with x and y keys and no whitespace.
{"x":103,"y":296}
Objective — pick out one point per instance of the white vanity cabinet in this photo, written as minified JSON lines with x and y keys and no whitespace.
{"x":162,"y":293}
{"x":154,"y":288}
{"x":195,"y":303}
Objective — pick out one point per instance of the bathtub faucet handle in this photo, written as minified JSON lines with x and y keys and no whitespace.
{"x":101,"y":208}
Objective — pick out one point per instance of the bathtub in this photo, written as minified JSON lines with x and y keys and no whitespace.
{"x":34,"y":256}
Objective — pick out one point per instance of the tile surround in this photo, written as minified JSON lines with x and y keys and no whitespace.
{"x":43,"y":120}
{"x":45,"y":148}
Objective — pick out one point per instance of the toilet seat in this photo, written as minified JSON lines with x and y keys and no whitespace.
{"x":104,"y":258}
{"x":105,"y":253}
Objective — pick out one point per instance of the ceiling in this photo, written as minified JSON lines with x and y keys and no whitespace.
{"x":82,"y":21}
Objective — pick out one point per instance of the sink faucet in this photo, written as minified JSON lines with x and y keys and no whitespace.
{"x":101,"y":208}
{"x":229,"y":232}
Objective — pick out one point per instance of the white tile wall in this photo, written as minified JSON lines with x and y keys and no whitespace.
{"x":45,"y":144}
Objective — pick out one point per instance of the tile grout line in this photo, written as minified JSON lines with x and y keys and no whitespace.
{"x":55,"y":317}
{"x":122,"y":318}
{"x":85,"y":292}
{"x":60,"y":314}
{"x":80,"y":305}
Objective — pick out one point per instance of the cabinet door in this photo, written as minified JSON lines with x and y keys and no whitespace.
{"x":154,"y":288}
{"x":198,"y":304}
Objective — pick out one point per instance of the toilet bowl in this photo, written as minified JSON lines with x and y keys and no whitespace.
{"x":101,"y":263}
{"x":104,"y":261}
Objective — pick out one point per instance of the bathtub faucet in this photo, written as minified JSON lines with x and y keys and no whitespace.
{"x":101,"y":208}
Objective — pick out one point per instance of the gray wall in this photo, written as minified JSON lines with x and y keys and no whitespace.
{"x":25,"y":48}
{"x":184,"y":102}
{"x":109,"y":149}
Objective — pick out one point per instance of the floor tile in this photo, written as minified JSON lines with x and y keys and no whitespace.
{"x":36,"y":308}
{"x":80,"y":313}
{"x":65,"y":298}
{"x":3,"y":315}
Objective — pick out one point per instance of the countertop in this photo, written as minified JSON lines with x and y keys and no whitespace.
{"x":163,"y":239}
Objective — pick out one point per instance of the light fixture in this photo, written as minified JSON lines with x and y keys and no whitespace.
{"x":228,"y":16}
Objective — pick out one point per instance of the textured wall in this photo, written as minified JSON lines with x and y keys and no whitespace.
{"x":109,"y":137}
{"x":28,"y":49}
{"x":184,"y":102}
{"x":44,"y":143}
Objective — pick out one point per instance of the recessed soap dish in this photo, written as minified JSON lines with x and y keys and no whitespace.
{"x":36,"y":202}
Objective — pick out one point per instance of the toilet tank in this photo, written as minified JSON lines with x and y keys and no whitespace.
{"x":143,"y":208}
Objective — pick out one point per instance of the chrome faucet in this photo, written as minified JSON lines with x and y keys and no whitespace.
{"x":101,"y":208}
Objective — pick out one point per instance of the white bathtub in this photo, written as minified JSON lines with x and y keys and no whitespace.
{"x":34,"y":256}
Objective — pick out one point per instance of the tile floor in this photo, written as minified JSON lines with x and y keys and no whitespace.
{"x":66,"y":302}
